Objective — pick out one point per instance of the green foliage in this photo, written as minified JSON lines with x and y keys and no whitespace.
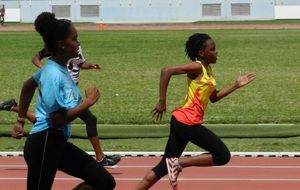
{"x":158,"y":131}
{"x":281,"y":138}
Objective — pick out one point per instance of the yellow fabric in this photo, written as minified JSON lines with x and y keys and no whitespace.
{"x":196,"y":99}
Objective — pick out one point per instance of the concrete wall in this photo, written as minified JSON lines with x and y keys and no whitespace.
{"x":287,"y":11}
{"x":146,"y":11}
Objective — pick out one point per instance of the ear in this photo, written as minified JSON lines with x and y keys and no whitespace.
{"x":200,"y":53}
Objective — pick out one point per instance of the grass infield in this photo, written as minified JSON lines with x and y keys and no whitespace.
{"x":131,"y":63}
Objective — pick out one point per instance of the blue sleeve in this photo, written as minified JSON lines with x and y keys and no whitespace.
{"x":56,"y":88}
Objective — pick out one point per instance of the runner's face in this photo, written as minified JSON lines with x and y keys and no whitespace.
{"x":210,"y":52}
{"x":72,"y":43}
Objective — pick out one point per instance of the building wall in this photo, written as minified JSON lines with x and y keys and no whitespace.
{"x":143,"y":11}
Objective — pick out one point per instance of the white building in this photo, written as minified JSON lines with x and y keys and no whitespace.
{"x":152,"y":11}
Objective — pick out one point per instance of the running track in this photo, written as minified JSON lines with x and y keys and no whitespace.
{"x":242,"y":173}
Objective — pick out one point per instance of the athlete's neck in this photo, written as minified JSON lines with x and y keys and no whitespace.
{"x":203,"y":63}
{"x":60,"y":60}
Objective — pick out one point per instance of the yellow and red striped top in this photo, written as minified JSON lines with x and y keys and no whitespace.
{"x":196,"y":99}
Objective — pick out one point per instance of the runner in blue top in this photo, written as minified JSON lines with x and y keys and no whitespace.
{"x":74,"y":66}
{"x":59,"y":102}
{"x":61,"y":93}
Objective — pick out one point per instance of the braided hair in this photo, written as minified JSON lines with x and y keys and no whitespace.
{"x":194,"y":44}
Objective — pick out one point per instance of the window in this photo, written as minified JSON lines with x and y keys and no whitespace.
{"x":240,"y":9}
{"x":211,"y":9}
{"x":62,"y":10}
{"x":89,"y":10}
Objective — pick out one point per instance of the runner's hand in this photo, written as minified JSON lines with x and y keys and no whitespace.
{"x":96,"y":66}
{"x":158,"y":111}
{"x":18,"y":130}
{"x":243,"y":80}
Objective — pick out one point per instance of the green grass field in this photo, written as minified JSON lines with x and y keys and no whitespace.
{"x":131,"y":63}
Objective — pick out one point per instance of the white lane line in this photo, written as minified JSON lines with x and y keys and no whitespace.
{"x":215,"y":179}
{"x":159,"y":154}
{"x":165,"y":179}
{"x":150,"y":166}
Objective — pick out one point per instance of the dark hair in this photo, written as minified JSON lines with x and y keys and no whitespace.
{"x":194,"y":44}
{"x":51,"y":29}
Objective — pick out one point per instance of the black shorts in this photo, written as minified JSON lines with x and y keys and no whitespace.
{"x":47,"y":151}
{"x":181,"y":134}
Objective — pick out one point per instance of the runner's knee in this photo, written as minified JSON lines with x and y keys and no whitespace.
{"x":98,"y":177}
{"x":160,"y":170}
{"x":222,"y":159}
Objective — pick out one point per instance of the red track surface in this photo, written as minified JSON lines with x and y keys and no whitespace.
{"x":241,"y":173}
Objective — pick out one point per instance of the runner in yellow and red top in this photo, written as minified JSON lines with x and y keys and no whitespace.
{"x":196,"y":98}
{"x":186,"y":121}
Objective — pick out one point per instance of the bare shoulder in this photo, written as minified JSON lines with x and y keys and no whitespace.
{"x":196,"y":68}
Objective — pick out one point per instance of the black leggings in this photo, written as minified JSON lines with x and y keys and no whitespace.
{"x":181,"y":134}
{"x":47,"y":151}
{"x":91,"y":123}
